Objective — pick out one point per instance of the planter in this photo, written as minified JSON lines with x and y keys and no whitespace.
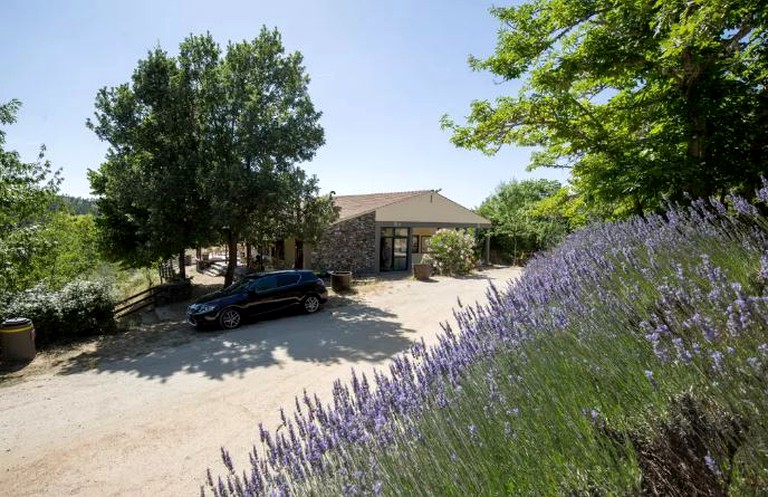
{"x":341,"y":281}
{"x":17,"y":336}
{"x":422,"y":272}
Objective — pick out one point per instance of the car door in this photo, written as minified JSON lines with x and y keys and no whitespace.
{"x":288,"y":292}
{"x":261,"y":295}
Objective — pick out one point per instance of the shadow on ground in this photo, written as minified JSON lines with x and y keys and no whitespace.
{"x":345,"y":330}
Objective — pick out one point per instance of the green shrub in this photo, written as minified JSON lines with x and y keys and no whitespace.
{"x":453,"y":251}
{"x":81,"y":308}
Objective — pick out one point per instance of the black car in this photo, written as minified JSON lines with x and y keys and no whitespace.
{"x":258,"y":294}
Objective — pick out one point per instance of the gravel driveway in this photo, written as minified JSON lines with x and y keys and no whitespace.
{"x":151,"y":423}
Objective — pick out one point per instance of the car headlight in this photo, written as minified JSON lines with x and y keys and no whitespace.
{"x":203,"y":308}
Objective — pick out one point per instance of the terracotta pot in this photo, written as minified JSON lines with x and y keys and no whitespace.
{"x":422,"y":271}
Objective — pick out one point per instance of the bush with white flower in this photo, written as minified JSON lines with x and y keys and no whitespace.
{"x":453,"y":251}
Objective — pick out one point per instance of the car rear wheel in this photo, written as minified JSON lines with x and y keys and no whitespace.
{"x":230,"y":318}
{"x":311,"y":304}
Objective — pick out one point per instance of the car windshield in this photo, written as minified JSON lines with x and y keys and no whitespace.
{"x":237,"y":286}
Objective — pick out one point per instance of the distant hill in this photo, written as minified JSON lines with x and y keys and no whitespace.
{"x":78,"y":205}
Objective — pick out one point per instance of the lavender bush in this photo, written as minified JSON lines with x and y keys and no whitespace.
{"x":631,"y":359}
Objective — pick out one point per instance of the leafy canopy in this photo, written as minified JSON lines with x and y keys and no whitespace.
{"x":528,"y":216}
{"x":205,"y":146}
{"x":642,"y":100}
{"x":150,"y":204}
{"x":27,"y":191}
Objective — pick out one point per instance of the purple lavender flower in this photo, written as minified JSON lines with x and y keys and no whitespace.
{"x":762,"y":193}
{"x":649,"y":374}
{"x":556,"y":291}
{"x":712,"y":464}
{"x":472,"y":431}
{"x":754,"y":362}
{"x":717,"y":360}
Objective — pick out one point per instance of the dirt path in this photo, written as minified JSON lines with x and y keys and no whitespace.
{"x":150,"y":423}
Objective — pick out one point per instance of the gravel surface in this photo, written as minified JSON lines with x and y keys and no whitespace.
{"x":145,"y":413}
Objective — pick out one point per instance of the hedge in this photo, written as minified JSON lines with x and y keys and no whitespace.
{"x":81,"y":308}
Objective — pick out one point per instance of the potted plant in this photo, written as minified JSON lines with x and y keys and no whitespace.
{"x":423,"y":270}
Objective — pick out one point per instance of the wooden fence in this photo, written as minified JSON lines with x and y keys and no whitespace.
{"x":134,"y":304}
{"x":167,"y":293}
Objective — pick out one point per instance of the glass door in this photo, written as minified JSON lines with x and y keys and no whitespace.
{"x":400,"y":260}
{"x":394,"y":249}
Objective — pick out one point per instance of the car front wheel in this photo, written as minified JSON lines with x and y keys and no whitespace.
{"x":311,"y":304}
{"x":230,"y":318}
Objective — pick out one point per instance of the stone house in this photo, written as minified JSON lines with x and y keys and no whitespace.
{"x":382,"y":232}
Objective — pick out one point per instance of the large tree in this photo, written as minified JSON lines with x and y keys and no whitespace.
{"x":260,"y":124}
{"x":204,"y":143}
{"x":644,"y":100}
{"x":27,"y":192}
{"x":149,"y":198}
{"x":518,"y":226}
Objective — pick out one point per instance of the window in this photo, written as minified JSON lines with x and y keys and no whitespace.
{"x":415,"y":247}
{"x":401,"y":232}
{"x":425,"y":243}
{"x":263,"y":284}
{"x":287,"y":280}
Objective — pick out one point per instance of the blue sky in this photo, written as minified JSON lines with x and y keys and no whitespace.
{"x":382,"y":74}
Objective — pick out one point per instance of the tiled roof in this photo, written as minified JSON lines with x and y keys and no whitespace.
{"x":355,"y":205}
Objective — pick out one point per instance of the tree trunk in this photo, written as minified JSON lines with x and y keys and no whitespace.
{"x":182,"y":266}
{"x":248,"y":253}
{"x":229,"y":277}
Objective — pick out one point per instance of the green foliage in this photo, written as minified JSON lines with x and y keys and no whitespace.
{"x":27,"y":191}
{"x":644,"y":101}
{"x":79,"y":309}
{"x":529,"y":216}
{"x":73,"y":250}
{"x":564,"y":207}
{"x":66,"y":250}
{"x":268,"y":125}
{"x":75,"y":205}
{"x":453,"y":251}
{"x":149,"y":198}
{"x":205,"y":146}
{"x":60,"y":250}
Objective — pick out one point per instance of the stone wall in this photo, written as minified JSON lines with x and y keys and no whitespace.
{"x":348,"y":246}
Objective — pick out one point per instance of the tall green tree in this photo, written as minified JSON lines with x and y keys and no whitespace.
{"x":520,"y":224}
{"x":259,"y":124}
{"x":644,"y":100}
{"x":204,"y":146}
{"x":27,"y":191}
{"x":150,"y":204}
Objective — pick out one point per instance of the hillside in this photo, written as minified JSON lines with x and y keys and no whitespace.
{"x":630,"y":360}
